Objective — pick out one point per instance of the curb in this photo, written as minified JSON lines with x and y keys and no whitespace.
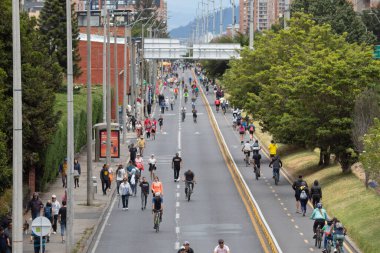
{"x":257,"y":219}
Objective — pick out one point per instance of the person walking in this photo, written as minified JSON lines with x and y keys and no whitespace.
{"x":55,"y":207}
{"x":160,"y":122}
{"x":176,"y":166}
{"x":35,"y":205}
{"x":62,"y":215}
{"x":152,"y":166}
{"x":141,"y":145}
{"x":304,"y":197}
{"x":316,"y":193}
{"x":48,"y":213}
{"x":63,"y":171}
{"x":144,"y":185}
{"x":104,"y":177}
{"x":5,"y":243}
{"x":77,"y":172}
{"x":125,"y":192}
{"x":120,"y":174}
{"x":132,"y":152}
{"x":297,"y":191}
{"x":221,"y":248}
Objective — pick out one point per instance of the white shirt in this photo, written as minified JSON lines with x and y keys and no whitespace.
{"x":120,"y":174}
{"x":225,"y":249}
{"x":152,"y":161}
{"x":247,"y":147}
{"x":55,"y":206}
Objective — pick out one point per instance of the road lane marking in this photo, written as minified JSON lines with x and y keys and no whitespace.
{"x":176,"y":246}
{"x":296,"y":226}
{"x":301,"y":234}
{"x":178,"y":194}
{"x":177,"y":216}
{"x":311,"y":249}
{"x":292,"y":220}
{"x":306,"y":241}
{"x":177,"y":230}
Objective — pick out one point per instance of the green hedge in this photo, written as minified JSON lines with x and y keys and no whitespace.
{"x":56,"y":151}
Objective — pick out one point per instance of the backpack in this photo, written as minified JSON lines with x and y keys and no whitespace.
{"x":251,"y":129}
{"x":47,"y":212}
{"x":303,"y":195}
{"x":242,"y":130}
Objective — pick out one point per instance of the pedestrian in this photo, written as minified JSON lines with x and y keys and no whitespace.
{"x":304,"y":197}
{"x":133,"y":122}
{"x":55,"y":206}
{"x":172,"y":103}
{"x":144,"y":185}
{"x":133,"y":181}
{"x":8,"y":233}
{"x":152,"y":166}
{"x":316,"y":193}
{"x":4,"y":241}
{"x":104,"y":177}
{"x":297,"y":191}
{"x":176,"y":166}
{"x":63,"y":171}
{"x":62,"y":219}
{"x":125,"y":191}
{"x":132,"y":152}
{"x":77,"y":172}
{"x":141,"y":145}
{"x":160,"y":122}
{"x":120,"y":174}
{"x":37,"y":243}
{"x":35,"y":205}
{"x":221,"y":248}
{"x":110,"y":175}
{"x":149,"y":109}
{"x":138,"y":128}
{"x":48,"y":213}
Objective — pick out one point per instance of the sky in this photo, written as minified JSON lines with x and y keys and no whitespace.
{"x":181,"y":12}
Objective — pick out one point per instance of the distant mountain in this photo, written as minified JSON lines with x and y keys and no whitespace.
{"x":185,"y":32}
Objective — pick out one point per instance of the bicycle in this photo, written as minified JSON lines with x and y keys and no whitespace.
{"x":276,"y":176}
{"x":188,"y":190}
{"x":224,"y":110}
{"x":157,"y":220}
{"x":339,"y":245}
{"x":246,"y":159}
{"x":256,"y":170}
{"x":318,"y":237}
{"x":329,"y":245}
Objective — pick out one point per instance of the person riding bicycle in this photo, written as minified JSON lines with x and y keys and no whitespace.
{"x":195,"y":115}
{"x":256,"y":157}
{"x":217,"y":104}
{"x":255,"y":147}
{"x":327,"y":231}
{"x":276,"y":164}
{"x":158,"y":206}
{"x":224,"y":106}
{"x":338,"y":233}
{"x":272,"y":148}
{"x":189,"y":180}
{"x":186,"y":95}
{"x":319,"y":216}
{"x":251,"y":129}
{"x":246,"y":149}
{"x":183,"y":113}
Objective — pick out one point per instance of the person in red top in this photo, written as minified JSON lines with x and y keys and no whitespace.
{"x":175,"y":92}
{"x":154,"y":128}
{"x":217,"y":104}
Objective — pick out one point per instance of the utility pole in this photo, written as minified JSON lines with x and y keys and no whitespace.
{"x":127,"y":37}
{"x":108,"y":149}
{"x":89,"y":111}
{"x":17,"y":219}
{"x":70,"y":131}
{"x":132,"y":78}
{"x":213,"y":17}
{"x":104,"y":61}
{"x":221,"y":18}
{"x":251,"y":25}
{"x":116,"y":74}
{"x":233,"y":18}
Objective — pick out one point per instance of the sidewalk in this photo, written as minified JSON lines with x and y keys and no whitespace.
{"x":86,"y":218}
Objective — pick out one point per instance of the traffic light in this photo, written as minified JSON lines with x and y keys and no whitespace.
{"x":376,"y":54}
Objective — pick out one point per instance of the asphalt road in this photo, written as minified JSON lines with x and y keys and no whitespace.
{"x":215,"y":210}
{"x":292,"y":231}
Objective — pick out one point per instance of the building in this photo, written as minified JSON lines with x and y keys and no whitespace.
{"x":360,"y":5}
{"x":266,"y":13}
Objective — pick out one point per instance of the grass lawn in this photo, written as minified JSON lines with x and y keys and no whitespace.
{"x":80,"y":99}
{"x":344,"y":195}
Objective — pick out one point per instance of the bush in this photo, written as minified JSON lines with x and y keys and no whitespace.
{"x":57,"y":150}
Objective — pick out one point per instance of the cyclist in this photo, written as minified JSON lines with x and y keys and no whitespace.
{"x":256,"y":157}
{"x":319,"y":216}
{"x":251,"y":130}
{"x":195,"y":115}
{"x":276,"y":164}
{"x":241,"y":133}
{"x":327,"y":231}
{"x":189,"y":180}
{"x":217,"y":104}
{"x":338,"y":232}
{"x":186,"y":95}
{"x":272,"y":148}
{"x":224,"y":106}
{"x":183,"y":113}
{"x":158,"y":206}
{"x":157,"y":186}
{"x":221,"y":248}
{"x":186,"y":248}
{"x":255,"y":147}
{"x":246,"y":149}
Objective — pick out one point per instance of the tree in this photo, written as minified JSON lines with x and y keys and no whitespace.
{"x":370,"y":156}
{"x":371,"y":19}
{"x":52,"y":25}
{"x":302,"y":83}
{"x":339,"y":14}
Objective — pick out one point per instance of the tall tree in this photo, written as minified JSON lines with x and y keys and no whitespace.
{"x":339,"y":14}
{"x":52,"y":24}
{"x":302,"y":83}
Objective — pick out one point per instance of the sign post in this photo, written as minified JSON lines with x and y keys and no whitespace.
{"x":41,"y":227}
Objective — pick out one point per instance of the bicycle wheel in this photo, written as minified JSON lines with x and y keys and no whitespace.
{"x":319,"y":240}
{"x":188,"y":194}
{"x":257,"y":173}
{"x":157,"y":221}
{"x":276,"y":179}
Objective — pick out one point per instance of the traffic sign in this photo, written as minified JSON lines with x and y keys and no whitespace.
{"x":41,"y":226}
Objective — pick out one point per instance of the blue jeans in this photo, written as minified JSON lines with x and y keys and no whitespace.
{"x":276,"y":170}
{"x":63,"y":228}
{"x":325,"y":241}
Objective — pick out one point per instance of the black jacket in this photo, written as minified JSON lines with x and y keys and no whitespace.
{"x":316,"y":191}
